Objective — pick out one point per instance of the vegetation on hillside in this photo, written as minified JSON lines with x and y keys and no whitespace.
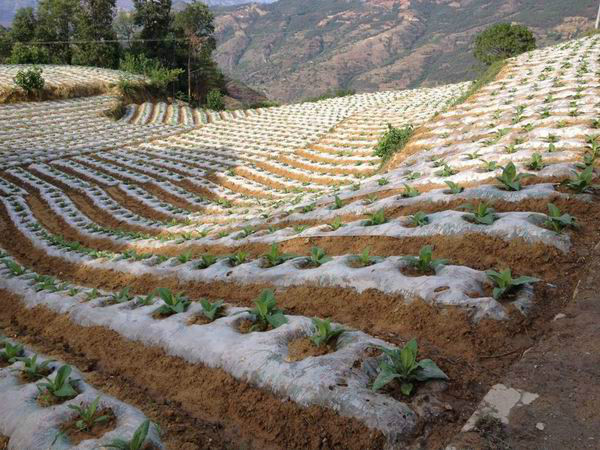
{"x":172,"y":48}
{"x":502,"y":41}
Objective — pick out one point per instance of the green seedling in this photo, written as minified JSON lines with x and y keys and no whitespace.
{"x":266,"y":313}
{"x":122,"y":296}
{"x":212,"y":311}
{"x":402,"y":365}
{"x":482,"y":214}
{"x":581,"y":181}
{"x":89,"y":416}
{"x":173,"y":303}
{"x":557,"y":221}
{"x":184,"y":257}
{"x":206,"y":261}
{"x":275,"y":257}
{"x":61,"y":386}
{"x":136,"y":442}
{"x":32,"y":370}
{"x":11,"y":352}
{"x":410,"y":191}
{"x":489,"y":166}
{"x":365,"y":259}
{"x":377,"y":218}
{"x":454,"y":188}
{"x":511,"y":179}
{"x":15,"y":269}
{"x":446,"y":171}
{"x":504,"y":283}
{"x":419,"y":219}
{"x":336,"y":224}
{"x":324,"y":333}
{"x":318,"y":257}
{"x":536,"y":162}
{"x":238,"y":258}
{"x":424,"y":262}
{"x":337,"y":203}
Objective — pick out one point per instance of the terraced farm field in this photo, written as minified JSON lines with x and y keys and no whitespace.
{"x":133,"y":250}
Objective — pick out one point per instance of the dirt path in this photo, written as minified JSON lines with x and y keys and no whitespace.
{"x":563,"y":370}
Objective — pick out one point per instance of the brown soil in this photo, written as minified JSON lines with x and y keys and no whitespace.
{"x":199,"y":319}
{"x":98,"y":430}
{"x":233,"y":405}
{"x":302,"y":348}
{"x":3,"y":442}
{"x":27,"y":378}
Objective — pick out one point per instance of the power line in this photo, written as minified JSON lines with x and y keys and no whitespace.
{"x":105,"y":41}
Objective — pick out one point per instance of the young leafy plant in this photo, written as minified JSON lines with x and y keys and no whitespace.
{"x":402,"y":365}
{"x":504,"y":283}
{"x":136,"y":442}
{"x":89,"y":416}
{"x":419,"y":219}
{"x":275,"y":257}
{"x":511,"y":179}
{"x":122,"y":296}
{"x":212,"y":311}
{"x":365,"y":259}
{"x":318,"y":257}
{"x":337,"y":203}
{"x":446,"y":171}
{"x":206,"y":261}
{"x":32,"y":370}
{"x":324,"y":333}
{"x":424,"y":262}
{"x":184,"y":257}
{"x":173,"y":303}
{"x":482,"y":214}
{"x":266,"y":312}
{"x":336,"y":224}
{"x":377,"y":218}
{"x":238,"y":258}
{"x":582,"y":181}
{"x":558,"y":221}
{"x":410,"y":191}
{"x":15,"y":269}
{"x":393,"y":140}
{"x":536,"y":162}
{"x":11,"y":352}
{"x":454,"y":188}
{"x":61,"y":386}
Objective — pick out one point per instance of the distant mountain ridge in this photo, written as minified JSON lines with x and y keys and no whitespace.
{"x":295,"y":49}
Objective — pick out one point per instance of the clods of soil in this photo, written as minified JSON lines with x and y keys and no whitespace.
{"x":302,"y":348}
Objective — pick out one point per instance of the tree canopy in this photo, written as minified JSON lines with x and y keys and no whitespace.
{"x":502,"y":41}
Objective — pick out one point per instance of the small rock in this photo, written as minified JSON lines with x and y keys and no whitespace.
{"x":559,"y":316}
{"x":540,"y":426}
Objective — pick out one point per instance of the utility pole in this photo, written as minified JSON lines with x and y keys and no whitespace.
{"x":598,"y":18}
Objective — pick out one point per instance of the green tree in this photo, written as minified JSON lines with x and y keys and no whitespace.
{"x":195,"y":24}
{"x":94,"y":27}
{"x":24,"y":25}
{"x":502,"y":41}
{"x":28,"y":54}
{"x":154,"y":18}
{"x":56,"y":22}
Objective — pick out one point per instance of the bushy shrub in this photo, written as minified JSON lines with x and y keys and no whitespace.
{"x":214,"y":100}
{"x":28,"y":54}
{"x":502,"y":41}
{"x":393,"y":140}
{"x":159,"y":76}
{"x":30,"y":80}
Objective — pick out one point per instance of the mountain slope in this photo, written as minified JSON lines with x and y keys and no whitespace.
{"x":293,"y":49}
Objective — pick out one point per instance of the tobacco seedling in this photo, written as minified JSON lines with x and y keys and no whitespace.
{"x":60,"y":386}
{"x":122,"y":296}
{"x":424,"y":262}
{"x":489,"y":166}
{"x":482,"y":214}
{"x":212,"y":311}
{"x":402,"y":364}
{"x":511,"y":179}
{"x":146,"y":300}
{"x":15,"y":269}
{"x":238,"y":258}
{"x":173,"y":303}
{"x":184,"y":257}
{"x":377,"y":218}
{"x":206,"y":261}
{"x":33,"y":370}
{"x":275,"y":257}
{"x":92,"y":295}
{"x":266,"y":312}
{"x":324,"y":333}
{"x":308,"y":208}
{"x":410,"y":191}
{"x":582,"y":181}
{"x":383,"y":181}
{"x":300,"y":228}
{"x":336,"y":224}
{"x":337,"y":203}
{"x":419,"y":219}
{"x":557,"y":221}
{"x":504,"y":282}
{"x":137,"y":440}
{"x":318,"y":257}
{"x":536,"y":162}
{"x":454,"y":187}
{"x":446,"y":171}
{"x":11,"y":352}
{"x":88,"y":416}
